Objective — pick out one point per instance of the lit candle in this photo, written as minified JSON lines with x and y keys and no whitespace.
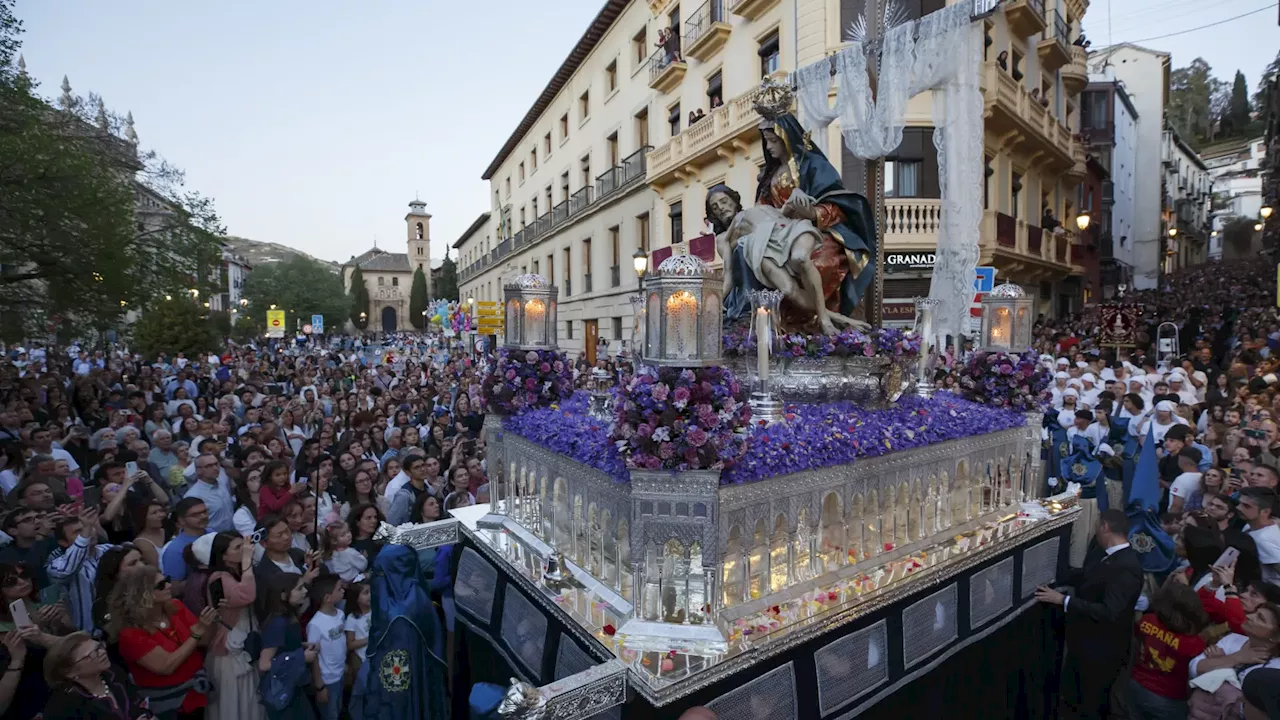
{"x":762,"y":346}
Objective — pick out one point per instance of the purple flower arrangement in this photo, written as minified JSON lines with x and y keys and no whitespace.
{"x":681,"y":419}
{"x":567,"y":428}
{"x":1005,"y":380}
{"x":880,"y":342}
{"x":526,"y":379}
{"x":819,"y":436}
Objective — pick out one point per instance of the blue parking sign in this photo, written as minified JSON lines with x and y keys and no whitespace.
{"x":984,"y":280}
{"x":317,"y":324}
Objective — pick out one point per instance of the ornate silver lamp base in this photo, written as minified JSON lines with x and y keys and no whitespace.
{"x":924,"y":389}
{"x":765,"y":407}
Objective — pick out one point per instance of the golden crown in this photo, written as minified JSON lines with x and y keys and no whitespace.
{"x":774,"y":98}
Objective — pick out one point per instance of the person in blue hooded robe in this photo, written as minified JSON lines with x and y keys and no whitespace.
{"x":407,"y":672}
{"x":798,"y":180}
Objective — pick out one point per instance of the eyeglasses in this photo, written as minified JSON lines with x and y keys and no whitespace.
{"x":99,"y":650}
{"x":13,"y":578}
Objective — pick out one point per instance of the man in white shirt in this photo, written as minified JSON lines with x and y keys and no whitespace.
{"x":1187,"y":486}
{"x":215,"y":494}
{"x":1256,"y":507}
{"x":42,"y":443}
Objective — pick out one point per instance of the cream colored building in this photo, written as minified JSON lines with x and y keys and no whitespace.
{"x":389,"y":276}
{"x":617,"y":93}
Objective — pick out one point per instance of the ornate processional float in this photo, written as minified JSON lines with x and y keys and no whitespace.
{"x":777,"y":515}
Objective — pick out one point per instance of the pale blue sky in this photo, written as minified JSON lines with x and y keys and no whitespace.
{"x":313,"y":124}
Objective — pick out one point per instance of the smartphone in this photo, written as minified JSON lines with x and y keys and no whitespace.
{"x":131,"y":468}
{"x":1255,"y":434}
{"x":256,"y":537}
{"x":18,"y":610}
{"x":93,"y":496}
{"x":216,"y":593}
{"x":1227,"y":557}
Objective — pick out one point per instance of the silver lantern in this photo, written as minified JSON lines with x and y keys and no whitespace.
{"x":1006,"y":319}
{"x":682,"y":314}
{"x":530,"y":313}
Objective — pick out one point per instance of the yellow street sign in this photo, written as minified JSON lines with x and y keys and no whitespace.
{"x":275,"y":323}
{"x":488,"y":305}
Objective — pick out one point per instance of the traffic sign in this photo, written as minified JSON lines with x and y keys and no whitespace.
{"x":317,"y":324}
{"x":985,"y":280}
{"x":275,"y":323}
{"x":489,"y":305}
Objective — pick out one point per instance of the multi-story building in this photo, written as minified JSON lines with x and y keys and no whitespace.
{"x":666,"y":123}
{"x":1235,"y":169}
{"x":1109,"y":131}
{"x":389,"y":276}
{"x":1271,"y":162}
{"x":1185,"y":201}
{"x":1144,"y":74}
{"x":229,"y":277}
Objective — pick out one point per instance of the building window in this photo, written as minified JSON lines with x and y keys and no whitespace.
{"x":1016,"y":186}
{"x":673,"y":119}
{"x":642,"y":128}
{"x":568,"y":329}
{"x":584,"y":105}
{"x":551,"y":269}
{"x":617,"y":328}
{"x":395,"y":282}
{"x":611,"y":143}
{"x":770,"y":58}
{"x":382,"y":281}
{"x":640,"y":45}
{"x":586,"y":171}
{"x":611,"y":76}
{"x":615,"y":247}
{"x":533,"y":159}
{"x":508,"y":186}
{"x":521,"y":172}
{"x":902,"y":178}
{"x":568,"y":273}
{"x":536,"y":265}
{"x":419,"y":251}
{"x":564,"y":185}
{"x":564,"y":127}
{"x":715,"y":91}
{"x":550,"y":204}
{"x":546,"y":145}
{"x":676,"y":215}
{"x":642,"y":231}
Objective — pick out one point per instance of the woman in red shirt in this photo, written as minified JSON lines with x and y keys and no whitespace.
{"x":1168,"y":640}
{"x":160,"y":640}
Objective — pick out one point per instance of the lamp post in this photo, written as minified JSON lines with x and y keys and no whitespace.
{"x":1082,"y":221}
{"x":1265,"y":212}
{"x":640,"y":261}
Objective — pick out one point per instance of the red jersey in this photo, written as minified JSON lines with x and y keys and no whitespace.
{"x":1164,"y":657}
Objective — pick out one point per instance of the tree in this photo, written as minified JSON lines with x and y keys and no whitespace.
{"x":359,"y":298}
{"x":447,"y":288}
{"x":1239,"y":110}
{"x":1262,"y":98}
{"x":1192,"y":93}
{"x":418,"y":299}
{"x":301,"y":287}
{"x":174,"y":326}
{"x":91,"y":226}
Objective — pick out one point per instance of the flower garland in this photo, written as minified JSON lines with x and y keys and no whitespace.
{"x":1005,"y":380}
{"x":525,"y":379}
{"x":681,"y":419}
{"x":568,"y":428}
{"x":880,"y":342}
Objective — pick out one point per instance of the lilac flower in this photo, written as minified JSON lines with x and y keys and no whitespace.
{"x":660,"y":392}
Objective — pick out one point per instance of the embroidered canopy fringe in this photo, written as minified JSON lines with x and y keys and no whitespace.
{"x":941,"y":52}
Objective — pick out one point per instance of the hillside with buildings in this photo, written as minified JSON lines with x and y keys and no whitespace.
{"x":260,"y":252}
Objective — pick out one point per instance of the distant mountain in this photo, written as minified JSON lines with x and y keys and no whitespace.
{"x":259,"y":252}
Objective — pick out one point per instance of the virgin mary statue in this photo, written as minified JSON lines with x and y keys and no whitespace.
{"x":807,"y":235}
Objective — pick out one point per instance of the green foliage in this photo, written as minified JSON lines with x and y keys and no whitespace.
{"x":418,"y":299}
{"x":1239,"y":109}
{"x":174,"y":326}
{"x":1191,"y":95}
{"x":88,"y":220}
{"x":1262,"y":98}
{"x":301,"y":287}
{"x":447,"y":288}
{"x":358,"y":298}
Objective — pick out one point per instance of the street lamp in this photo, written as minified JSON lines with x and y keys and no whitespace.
{"x":206,"y":304}
{"x":195,"y":293}
{"x":244,"y":302}
{"x":1265,"y":212}
{"x":640,"y":261}
{"x":273,"y":307}
{"x":1082,"y":221}
{"x":1173,"y":232}
{"x":1258,"y":227}
{"x":168,"y":297}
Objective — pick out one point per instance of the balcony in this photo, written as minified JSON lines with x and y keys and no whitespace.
{"x":724,"y":131}
{"x":666,"y":70}
{"x":706,"y":31}
{"x":1079,"y":168}
{"x":579,"y":200}
{"x":1075,"y":74}
{"x":751,"y":9}
{"x":1023,"y":252}
{"x":1054,"y":49}
{"x":1076,"y":8}
{"x":1022,"y":122}
{"x":912,"y":224}
{"x":1025,"y":17}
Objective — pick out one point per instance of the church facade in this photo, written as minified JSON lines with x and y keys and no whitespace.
{"x":388,"y":276}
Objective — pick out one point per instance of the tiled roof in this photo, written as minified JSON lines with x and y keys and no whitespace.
{"x":388,"y":262}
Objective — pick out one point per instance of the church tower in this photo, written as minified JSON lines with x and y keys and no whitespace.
{"x":418,"y":225}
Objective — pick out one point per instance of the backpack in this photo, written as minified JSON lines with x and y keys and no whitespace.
{"x":287,"y":675}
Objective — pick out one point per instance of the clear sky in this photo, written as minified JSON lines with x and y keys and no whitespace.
{"x":313,"y":124}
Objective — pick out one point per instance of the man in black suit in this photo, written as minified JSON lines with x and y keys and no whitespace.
{"x":1099,"y":618}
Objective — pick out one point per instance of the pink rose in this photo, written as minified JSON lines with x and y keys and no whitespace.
{"x":511,"y":375}
{"x":681,"y":395}
{"x":652,"y":463}
{"x":690,"y":455}
{"x":644,"y":430}
{"x":666,"y":450}
{"x":697,"y":437}
{"x":558,"y":366}
{"x":530,"y":383}
{"x":660,"y":392}
{"x":544,"y":367}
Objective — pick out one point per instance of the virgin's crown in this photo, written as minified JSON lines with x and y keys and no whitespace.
{"x":774,"y":98}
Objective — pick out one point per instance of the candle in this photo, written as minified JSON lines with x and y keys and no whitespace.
{"x":762,"y":346}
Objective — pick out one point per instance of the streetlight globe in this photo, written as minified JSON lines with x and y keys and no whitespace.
{"x":1265,"y":212}
{"x":244,"y":302}
{"x":168,"y":297}
{"x":273,"y":307}
{"x":640,"y":261}
{"x":195,"y":293}
{"x":1258,"y":227}
{"x":1082,"y":221}
{"x":1173,"y":232}
{"x":206,"y":304}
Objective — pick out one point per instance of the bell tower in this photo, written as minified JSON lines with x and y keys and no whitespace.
{"x":418,"y":226}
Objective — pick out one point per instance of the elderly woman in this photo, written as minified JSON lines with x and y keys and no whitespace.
{"x":160,"y":642}
{"x":82,"y":687}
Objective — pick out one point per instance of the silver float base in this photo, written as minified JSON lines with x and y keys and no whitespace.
{"x":766,"y":407}
{"x":924,"y":389}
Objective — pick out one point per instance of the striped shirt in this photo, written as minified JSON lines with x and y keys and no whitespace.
{"x":75,"y":568}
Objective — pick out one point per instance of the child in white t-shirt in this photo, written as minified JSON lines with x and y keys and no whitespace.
{"x":326,"y":631}
{"x":1185,"y":494}
{"x":359,"y":601}
{"x":342,"y":559}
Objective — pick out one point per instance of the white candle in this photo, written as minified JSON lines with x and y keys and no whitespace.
{"x":762,"y":346}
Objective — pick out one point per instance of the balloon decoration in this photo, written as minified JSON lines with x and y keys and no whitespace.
{"x":446,"y":315}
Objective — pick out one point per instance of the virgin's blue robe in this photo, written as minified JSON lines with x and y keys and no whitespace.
{"x":407,"y":672}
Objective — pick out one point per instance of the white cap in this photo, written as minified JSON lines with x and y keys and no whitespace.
{"x":1139,"y":378}
{"x":1166,"y":406}
{"x":1081,"y":364}
{"x":202,"y":548}
{"x":1060,"y":375}
{"x":1108,"y":374}
{"x":1089,"y":378}
{"x":1063,"y":361}
{"x":1070,"y":393}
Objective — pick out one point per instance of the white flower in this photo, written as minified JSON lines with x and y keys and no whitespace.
{"x":662,"y":434}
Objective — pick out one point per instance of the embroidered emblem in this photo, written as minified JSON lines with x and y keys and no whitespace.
{"x":1064,"y":449}
{"x":1079,"y":470}
{"x":1142,"y":542}
{"x":395,"y":671}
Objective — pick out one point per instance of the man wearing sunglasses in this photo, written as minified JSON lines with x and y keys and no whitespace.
{"x":30,"y":531}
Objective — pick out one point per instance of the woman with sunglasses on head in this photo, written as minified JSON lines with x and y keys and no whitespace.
{"x":233,"y":589}
{"x":82,"y":686}
{"x":160,"y":641}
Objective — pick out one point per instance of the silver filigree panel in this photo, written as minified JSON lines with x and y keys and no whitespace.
{"x":475,"y":585}
{"x":1039,"y":565}
{"x":571,"y":659}
{"x":990,"y":593}
{"x":929,"y":625}
{"x":852,"y":666}
{"x":524,"y":630}
{"x":771,"y":696}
